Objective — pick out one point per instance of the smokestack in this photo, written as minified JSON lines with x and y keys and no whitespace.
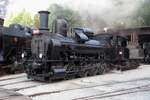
{"x":44,"y":20}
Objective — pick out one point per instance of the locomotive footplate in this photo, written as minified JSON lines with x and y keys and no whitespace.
{"x":127,"y":65}
{"x":39,"y":77}
{"x":57,"y":73}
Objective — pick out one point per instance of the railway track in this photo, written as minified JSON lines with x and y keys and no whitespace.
{"x":13,"y":81}
{"x":9,"y":77}
{"x":143,"y":88}
{"x":43,"y":84}
{"x":37,"y":90}
{"x":18,"y":83}
{"x":94,"y":86}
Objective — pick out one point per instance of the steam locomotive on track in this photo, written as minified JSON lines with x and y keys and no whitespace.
{"x":13,"y":40}
{"x":57,"y":55}
{"x":138,"y":42}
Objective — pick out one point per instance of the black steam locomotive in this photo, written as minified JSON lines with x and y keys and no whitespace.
{"x":57,"y":55}
{"x":146,"y":47}
{"x":13,"y":40}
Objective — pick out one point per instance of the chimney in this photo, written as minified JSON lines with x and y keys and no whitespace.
{"x":44,"y":20}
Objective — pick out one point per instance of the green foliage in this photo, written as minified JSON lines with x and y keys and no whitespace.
{"x":23,"y":18}
{"x":58,"y":11}
{"x":36,"y":21}
{"x":143,"y":13}
{"x":141,"y":17}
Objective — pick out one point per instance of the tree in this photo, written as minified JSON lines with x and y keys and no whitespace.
{"x":142,"y":16}
{"x":36,"y":21}
{"x":23,"y":18}
{"x":58,"y":11}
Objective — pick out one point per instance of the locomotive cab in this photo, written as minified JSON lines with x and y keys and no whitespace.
{"x":116,"y":47}
{"x":122,"y":41}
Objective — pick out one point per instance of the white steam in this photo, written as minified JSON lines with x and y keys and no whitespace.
{"x":3,"y":8}
{"x":96,"y":13}
{"x":103,"y":13}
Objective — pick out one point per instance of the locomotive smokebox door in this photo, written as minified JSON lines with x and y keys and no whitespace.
{"x":44,"y":20}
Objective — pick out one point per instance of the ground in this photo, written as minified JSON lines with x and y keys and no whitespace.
{"x":127,"y":85}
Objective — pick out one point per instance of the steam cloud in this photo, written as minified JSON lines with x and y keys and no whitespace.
{"x":103,"y":13}
{"x":3,"y":8}
{"x":96,"y":13}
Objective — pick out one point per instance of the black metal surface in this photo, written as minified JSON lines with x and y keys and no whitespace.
{"x":57,"y":56}
{"x":44,"y":20}
{"x":61,"y":27}
{"x":13,"y":40}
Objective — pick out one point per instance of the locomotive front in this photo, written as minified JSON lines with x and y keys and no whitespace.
{"x":40,"y":40}
{"x":45,"y":48}
{"x":40,"y":44}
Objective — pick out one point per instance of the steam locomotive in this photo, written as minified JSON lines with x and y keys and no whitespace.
{"x":13,"y":40}
{"x":56,"y":55}
{"x":146,"y":47}
{"x":138,"y":42}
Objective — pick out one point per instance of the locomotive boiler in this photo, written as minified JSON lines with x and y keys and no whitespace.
{"x":57,"y":55}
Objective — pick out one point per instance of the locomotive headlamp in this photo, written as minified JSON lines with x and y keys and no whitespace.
{"x":36,"y":32}
{"x":120,"y":52}
{"x":40,"y":55}
{"x":105,"y":29}
{"x":22,"y":55}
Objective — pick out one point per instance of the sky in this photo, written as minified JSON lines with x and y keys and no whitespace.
{"x":32,"y":6}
